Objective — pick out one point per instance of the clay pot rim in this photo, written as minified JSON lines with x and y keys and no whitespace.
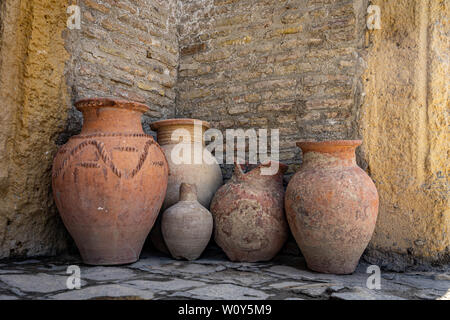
{"x":88,"y":103}
{"x":177,"y":121}
{"x":283,"y":167}
{"x":318,"y":145}
{"x":238,"y":166}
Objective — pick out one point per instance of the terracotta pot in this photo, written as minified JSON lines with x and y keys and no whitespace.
{"x":331,"y":206}
{"x":187,"y":225}
{"x":109,"y":182}
{"x":249,"y":220}
{"x":204,"y":173}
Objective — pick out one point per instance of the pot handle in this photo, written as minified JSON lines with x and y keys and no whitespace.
{"x":238,"y":173}
{"x":282,"y":168}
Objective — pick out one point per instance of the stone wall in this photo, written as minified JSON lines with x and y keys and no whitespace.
{"x":125,"y":49}
{"x":288,"y":65}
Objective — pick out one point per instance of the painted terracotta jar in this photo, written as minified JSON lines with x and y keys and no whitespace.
{"x":183,"y":143}
{"x":331,"y":206}
{"x":109,"y":182}
{"x":248,"y":213}
{"x":187,"y":225}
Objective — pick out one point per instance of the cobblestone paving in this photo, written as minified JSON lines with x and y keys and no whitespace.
{"x":156,"y":276}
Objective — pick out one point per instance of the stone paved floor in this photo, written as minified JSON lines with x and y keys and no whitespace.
{"x":212,"y":277}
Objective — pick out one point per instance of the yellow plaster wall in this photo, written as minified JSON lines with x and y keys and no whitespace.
{"x":404,"y":124}
{"x":34,"y":104}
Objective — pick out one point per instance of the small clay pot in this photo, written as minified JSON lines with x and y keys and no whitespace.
{"x":109,"y":182}
{"x":177,"y":136}
{"x":187,"y":226}
{"x":331,"y":206}
{"x":248,"y":213}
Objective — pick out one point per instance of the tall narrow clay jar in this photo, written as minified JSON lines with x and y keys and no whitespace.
{"x":109,"y":182}
{"x":248,"y":213}
{"x":187,"y":225}
{"x":183,"y":143}
{"x":331,"y":206}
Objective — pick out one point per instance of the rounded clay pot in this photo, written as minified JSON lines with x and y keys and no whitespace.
{"x":187,"y":225}
{"x":185,"y":137}
{"x":249,"y":220}
{"x":331,"y":206}
{"x":109,"y":182}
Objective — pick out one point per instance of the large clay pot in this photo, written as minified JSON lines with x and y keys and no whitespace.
{"x":248,"y":213}
{"x":331,"y":206}
{"x":109,"y":182}
{"x":204,"y":172}
{"x":187,"y":225}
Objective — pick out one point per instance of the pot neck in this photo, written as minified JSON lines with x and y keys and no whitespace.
{"x":329,"y":153}
{"x":111,"y":116}
{"x":174,"y":131}
{"x":188,"y":192}
{"x":261,"y":174}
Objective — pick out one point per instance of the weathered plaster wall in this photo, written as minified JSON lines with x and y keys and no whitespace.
{"x":288,"y":65}
{"x":404,"y":124}
{"x":34,"y":102}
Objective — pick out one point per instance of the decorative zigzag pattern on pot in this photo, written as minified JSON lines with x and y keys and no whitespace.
{"x":104,"y":155}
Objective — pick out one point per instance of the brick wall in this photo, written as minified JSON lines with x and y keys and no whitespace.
{"x":125,"y":49}
{"x":292,"y":65}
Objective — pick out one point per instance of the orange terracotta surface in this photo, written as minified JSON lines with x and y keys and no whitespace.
{"x":249,"y":220}
{"x":331,"y":206}
{"x":109,"y":182}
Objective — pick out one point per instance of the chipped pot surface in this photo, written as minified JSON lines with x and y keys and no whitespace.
{"x":331,"y":206}
{"x":109,"y":182}
{"x":249,"y":219}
